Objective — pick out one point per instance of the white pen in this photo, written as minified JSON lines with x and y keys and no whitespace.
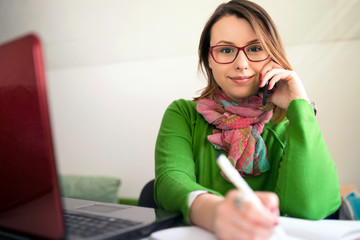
{"x":233,"y":175}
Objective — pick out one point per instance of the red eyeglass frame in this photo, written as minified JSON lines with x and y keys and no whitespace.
{"x":238,"y":48}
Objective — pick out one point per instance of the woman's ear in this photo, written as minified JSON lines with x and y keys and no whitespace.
{"x":210,"y":62}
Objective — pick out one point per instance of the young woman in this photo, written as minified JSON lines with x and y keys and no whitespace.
{"x":277,"y":147}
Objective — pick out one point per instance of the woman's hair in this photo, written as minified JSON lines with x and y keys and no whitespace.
{"x":265,"y":30}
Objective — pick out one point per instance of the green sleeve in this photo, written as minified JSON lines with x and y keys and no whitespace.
{"x":174,"y":161}
{"x":307,"y":185}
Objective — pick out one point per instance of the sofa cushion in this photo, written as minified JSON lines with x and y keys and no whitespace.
{"x":96,"y":188}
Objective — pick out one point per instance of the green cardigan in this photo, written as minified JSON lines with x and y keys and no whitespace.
{"x":302,"y":172}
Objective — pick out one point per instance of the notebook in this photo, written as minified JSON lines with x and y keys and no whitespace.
{"x":296,"y":229}
{"x":30,"y":200}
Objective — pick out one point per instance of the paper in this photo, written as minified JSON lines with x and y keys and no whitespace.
{"x":323,"y":229}
{"x":295,"y":229}
{"x":183,"y":233}
{"x":193,"y":232}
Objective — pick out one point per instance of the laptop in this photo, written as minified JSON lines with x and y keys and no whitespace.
{"x":31,"y":206}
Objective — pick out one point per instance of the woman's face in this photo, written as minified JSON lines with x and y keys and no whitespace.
{"x":239,"y":79}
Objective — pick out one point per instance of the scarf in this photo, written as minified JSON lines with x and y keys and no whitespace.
{"x":239,"y":125}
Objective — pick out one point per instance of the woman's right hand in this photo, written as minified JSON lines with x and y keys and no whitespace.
{"x":246,"y":221}
{"x":288,"y":84}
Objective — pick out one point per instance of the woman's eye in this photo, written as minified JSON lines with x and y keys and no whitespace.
{"x":226,"y":50}
{"x":254,"y":48}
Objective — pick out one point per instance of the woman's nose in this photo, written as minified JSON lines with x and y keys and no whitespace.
{"x":241,"y":61}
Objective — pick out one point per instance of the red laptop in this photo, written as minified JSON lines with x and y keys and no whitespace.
{"x":30,"y":201}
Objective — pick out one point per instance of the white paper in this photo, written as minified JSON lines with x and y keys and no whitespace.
{"x":322,"y":229}
{"x":296,"y":229}
{"x":183,"y":233}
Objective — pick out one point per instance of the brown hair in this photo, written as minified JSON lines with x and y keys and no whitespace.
{"x":265,"y":30}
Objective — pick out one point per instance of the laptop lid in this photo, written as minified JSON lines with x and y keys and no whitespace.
{"x":30,"y":202}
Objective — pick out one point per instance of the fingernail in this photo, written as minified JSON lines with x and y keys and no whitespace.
{"x":260,"y":76}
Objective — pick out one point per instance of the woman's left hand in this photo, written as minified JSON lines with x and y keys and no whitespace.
{"x":288,"y":85}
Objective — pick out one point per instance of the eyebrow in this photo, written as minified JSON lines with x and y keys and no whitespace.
{"x":231,"y":43}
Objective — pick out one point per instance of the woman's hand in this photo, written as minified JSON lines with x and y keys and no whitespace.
{"x":246,"y":221}
{"x":288,"y":85}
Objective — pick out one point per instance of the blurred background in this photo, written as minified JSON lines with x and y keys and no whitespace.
{"x":113,"y":66}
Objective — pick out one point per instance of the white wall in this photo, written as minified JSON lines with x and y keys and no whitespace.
{"x":113,"y":67}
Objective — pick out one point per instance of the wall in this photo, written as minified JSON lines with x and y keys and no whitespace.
{"x":114,"y":66}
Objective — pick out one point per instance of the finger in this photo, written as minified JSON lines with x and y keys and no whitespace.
{"x":270,"y":201}
{"x":264,"y":72}
{"x":252,"y":217}
{"x":229,"y":223}
{"x":277,"y":75}
{"x":256,"y":226}
{"x":243,"y":215}
{"x":276,"y":78}
{"x":269,"y":76}
{"x":250,"y":228}
{"x":231,"y":231}
{"x":239,"y":203}
{"x":261,"y":217}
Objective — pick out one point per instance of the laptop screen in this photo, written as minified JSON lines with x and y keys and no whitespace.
{"x":30,"y":200}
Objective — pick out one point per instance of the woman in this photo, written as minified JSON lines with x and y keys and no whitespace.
{"x":278,"y":148}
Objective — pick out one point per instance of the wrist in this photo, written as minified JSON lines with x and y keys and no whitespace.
{"x":312,"y":103}
{"x":203,"y":210}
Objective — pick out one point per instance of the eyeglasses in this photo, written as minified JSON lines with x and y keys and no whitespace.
{"x":225,"y":54}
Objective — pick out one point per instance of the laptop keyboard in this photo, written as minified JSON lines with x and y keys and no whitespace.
{"x":85,"y":226}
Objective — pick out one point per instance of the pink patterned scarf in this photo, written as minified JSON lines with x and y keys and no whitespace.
{"x":238,"y":130}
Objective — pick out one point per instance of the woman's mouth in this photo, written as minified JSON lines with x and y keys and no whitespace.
{"x":241,"y":79}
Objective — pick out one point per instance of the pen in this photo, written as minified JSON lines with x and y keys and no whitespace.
{"x":233,"y":175}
